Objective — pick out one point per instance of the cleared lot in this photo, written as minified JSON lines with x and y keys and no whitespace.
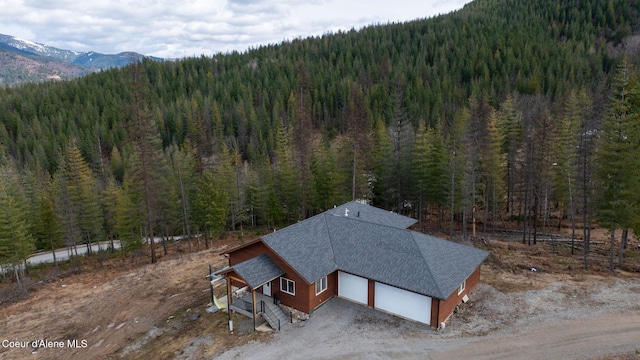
{"x":130,"y":312}
{"x":562,"y":320}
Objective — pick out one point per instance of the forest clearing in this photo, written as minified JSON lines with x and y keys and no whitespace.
{"x":149,"y":310}
{"x":518,"y":119}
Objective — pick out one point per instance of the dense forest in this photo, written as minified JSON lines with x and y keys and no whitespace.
{"x":503,"y":110}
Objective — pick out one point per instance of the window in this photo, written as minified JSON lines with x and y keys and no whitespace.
{"x":461,"y":287}
{"x":321,"y":285}
{"x":287,"y":286}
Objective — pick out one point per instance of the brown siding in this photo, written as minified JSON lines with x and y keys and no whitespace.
{"x":248,"y":252}
{"x":301,"y":299}
{"x":435,"y":311}
{"x":332,"y":290}
{"x":446,"y":307}
{"x":371,"y":298}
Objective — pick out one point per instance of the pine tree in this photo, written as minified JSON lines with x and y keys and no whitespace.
{"x":49,"y":225}
{"x":510,"y":125}
{"x":383,"y":182}
{"x":210,"y":203}
{"x":178,"y":181}
{"x":109,"y":201}
{"x":326,"y":180}
{"x":617,"y":165}
{"x":16,"y":241}
{"x":78,"y":200}
{"x":457,"y":177}
{"x":566,"y":157}
{"x":144,"y":136}
{"x":286,"y":180}
{"x":129,"y":218}
{"x":491,"y":168}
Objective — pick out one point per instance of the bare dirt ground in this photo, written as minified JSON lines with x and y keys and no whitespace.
{"x":109,"y":307}
{"x":158,"y":311}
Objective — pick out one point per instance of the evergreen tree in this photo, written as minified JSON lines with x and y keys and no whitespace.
{"x":457,"y":177}
{"x":78,"y":200}
{"x":109,"y":201}
{"x":617,"y":166}
{"x":383,"y":167}
{"x":49,"y":226}
{"x":286,"y":180}
{"x":510,"y":125}
{"x":210,"y":203}
{"x":144,"y":136}
{"x":567,"y":158}
{"x":326,"y":180}
{"x":183,"y":167}
{"x":16,"y":241}
{"x":491,"y":169}
{"x":129,"y":218}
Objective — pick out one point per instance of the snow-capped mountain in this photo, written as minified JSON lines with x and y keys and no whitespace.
{"x":38,"y":49}
{"x":26,"y":61}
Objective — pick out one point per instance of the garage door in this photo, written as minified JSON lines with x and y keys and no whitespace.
{"x":403,"y":303}
{"x":354,"y":288}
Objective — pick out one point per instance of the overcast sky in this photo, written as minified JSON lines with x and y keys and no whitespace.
{"x":179,"y":28}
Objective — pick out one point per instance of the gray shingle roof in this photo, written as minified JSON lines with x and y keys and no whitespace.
{"x":450,"y":263}
{"x":374,"y":243}
{"x":258,"y":270}
{"x":403,"y":258}
{"x":371,"y":214}
{"x":306,"y":246}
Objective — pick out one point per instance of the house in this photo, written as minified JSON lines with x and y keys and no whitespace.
{"x":361,"y":253}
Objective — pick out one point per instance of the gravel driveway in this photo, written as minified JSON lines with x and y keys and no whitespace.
{"x":562,"y":320}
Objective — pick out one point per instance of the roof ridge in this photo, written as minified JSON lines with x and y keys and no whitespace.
{"x":369,"y":222}
{"x":333,"y":251}
{"x":426,"y":263}
{"x":372,"y":215}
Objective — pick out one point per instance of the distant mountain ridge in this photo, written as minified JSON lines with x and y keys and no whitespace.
{"x":24,"y":61}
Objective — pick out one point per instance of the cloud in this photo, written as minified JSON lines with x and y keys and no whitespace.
{"x":178,"y":28}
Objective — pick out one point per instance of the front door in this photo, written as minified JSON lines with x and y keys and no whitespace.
{"x":266,"y":289}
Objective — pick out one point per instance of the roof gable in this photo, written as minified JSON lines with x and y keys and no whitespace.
{"x":305,"y":246}
{"x":258,"y":270}
{"x":450,"y":263}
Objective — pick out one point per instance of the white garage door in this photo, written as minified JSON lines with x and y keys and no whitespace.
{"x":354,"y":288}
{"x":404,"y":303}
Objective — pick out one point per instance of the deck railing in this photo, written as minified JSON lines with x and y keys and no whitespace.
{"x":269,"y":315}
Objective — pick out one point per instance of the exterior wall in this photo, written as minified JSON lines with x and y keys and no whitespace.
{"x":248,"y":252}
{"x":435,"y":311}
{"x":302,"y":290}
{"x":332,"y":290}
{"x":372,"y":294}
{"x":306,"y":300}
{"x":444,"y":308}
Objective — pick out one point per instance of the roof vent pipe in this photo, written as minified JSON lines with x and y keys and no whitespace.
{"x":346,"y":212}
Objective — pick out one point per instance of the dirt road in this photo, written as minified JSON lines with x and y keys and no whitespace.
{"x":593,"y":337}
